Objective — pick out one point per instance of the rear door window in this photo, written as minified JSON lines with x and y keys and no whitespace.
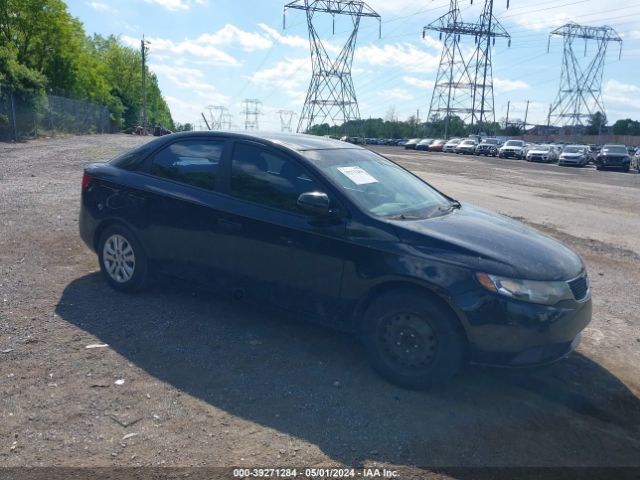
{"x":194,"y":162}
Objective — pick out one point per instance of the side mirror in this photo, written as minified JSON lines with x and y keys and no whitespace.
{"x":315,"y":203}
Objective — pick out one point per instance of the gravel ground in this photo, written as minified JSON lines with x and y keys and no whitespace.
{"x":190,"y":378}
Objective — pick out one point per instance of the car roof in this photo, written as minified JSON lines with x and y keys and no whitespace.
{"x":293,"y":141}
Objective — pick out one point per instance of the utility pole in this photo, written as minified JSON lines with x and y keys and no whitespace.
{"x":506,"y":123}
{"x":144,"y":50}
{"x":526,"y":115}
{"x":331,"y":97}
{"x":580,"y":92}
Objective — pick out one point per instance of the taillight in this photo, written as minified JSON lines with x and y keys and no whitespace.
{"x":86,"y":181}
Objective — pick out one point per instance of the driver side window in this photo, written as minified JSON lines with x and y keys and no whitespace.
{"x":265,"y":178}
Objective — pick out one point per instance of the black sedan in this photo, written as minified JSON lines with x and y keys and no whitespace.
{"x":613,"y":156}
{"x":343,"y":237}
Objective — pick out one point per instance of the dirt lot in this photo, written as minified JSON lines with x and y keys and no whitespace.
{"x":210,"y":381}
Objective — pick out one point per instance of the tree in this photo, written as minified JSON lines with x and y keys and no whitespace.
{"x":43,"y":47}
{"x":596,"y":123}
{"x":626,"y":127}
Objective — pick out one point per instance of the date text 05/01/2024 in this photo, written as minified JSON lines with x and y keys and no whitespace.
{"x":314,"y":473}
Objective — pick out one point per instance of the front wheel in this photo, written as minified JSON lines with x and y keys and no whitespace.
{"x":123,"y":261}
{"x":412,"y":341}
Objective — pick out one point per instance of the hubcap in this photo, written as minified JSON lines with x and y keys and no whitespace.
{"x":408,"y":342}
{"x":118,"y":258}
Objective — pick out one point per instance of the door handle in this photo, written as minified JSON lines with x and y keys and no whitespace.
{"x":229,"y":225}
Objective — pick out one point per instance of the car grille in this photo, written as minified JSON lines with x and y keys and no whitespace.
{"x":579,"y":287}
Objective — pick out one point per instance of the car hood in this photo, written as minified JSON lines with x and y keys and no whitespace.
{"x":492,"y":243}
{"x":572,"y":155}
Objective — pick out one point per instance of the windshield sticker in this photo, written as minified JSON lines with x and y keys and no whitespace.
{"x":357,"y":175}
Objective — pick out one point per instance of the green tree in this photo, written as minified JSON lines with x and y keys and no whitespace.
{"x":596,"y":123}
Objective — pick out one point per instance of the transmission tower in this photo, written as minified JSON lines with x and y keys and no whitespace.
{"x":580,"y":93}
{"x":286,"y":119}
{"x":251,"y":112}
{"x":217,"y":115}
{"x":464,"y":88}
{"x":331,"y":96}
{"x":489,"y":28}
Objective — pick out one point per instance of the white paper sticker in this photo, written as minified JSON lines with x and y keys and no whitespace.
{"x":357,"y":175}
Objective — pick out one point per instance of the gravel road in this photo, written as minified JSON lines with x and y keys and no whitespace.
{"x":190,"y":378}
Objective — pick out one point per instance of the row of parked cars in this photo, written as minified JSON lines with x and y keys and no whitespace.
{"x":606,"y":156}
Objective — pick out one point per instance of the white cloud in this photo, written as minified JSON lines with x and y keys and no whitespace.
{"x":101,"y":7}
{"x":185,"y":47}
{"x":621,"y":94}
{"x":405,"y":56}
{"x":396,"y":94}
{"x":288,"y":40}
{"x":232,"y":35}
{"x":503,"y":85}
{"x":190,"y":79}
{"x":416,"y":82}
{"x":174,"y":5}
{"x":288,"y":74}
{"x":584,"y":12}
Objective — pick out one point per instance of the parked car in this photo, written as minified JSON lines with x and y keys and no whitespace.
{"x":467,"y":147}
{"x":424,"y":144}
{"x":488,"y":147}
{"x":411,"y":144}
{"x":341,"y":236}
{"x":451,"y":145}
{"x":542,"y":153}
{"x":574,"y":155}
{"x":613,"y":156}
{"x":635,"y":161}
{"x":437,"y":145}
{"x":512,"y":149}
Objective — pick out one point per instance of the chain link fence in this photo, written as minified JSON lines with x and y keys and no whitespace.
{"x":28,"y":117}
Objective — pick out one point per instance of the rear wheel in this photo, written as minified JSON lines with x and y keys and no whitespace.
{"x":123,"y":261}
{"x":413,"y":341}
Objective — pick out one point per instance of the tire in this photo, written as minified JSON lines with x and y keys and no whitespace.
{"x":598,"y":167}
{"x":422,"y":324}
{"x":123,"y":261}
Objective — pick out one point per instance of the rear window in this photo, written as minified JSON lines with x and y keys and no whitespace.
{"x":194,"y":162}
{"x":130,"y":159}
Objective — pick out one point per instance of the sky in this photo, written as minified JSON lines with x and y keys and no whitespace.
{"x":221,"y":52}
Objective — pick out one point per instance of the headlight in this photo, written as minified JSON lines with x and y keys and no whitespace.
{"x":545,"y":293}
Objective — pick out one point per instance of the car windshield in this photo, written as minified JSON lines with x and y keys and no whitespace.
{"x":541,"y":148}
{"x":378,"y":185}
{"x":468,"y":142}
{"x":572,"y":150}
{"x":616,"y":150}
{"x":455,"y":141}
{"x":514,"y":143}
{"x":490,"y":141}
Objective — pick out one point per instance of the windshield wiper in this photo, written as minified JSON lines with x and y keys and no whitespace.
{"x":455,"y":204}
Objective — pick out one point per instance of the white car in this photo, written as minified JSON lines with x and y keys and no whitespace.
{"x":542,"y":153}
{"x":451,"y":145}
{"x":574,"y":155}
{"x":512,"y":149}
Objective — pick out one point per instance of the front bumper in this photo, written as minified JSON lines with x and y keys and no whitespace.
{"x":512,"y":333}
{"x":511,"y":153}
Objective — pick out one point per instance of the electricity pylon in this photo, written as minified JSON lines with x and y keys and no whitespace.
{"x":464,"y":88}
{"x":331,"y":96}
{"x":286,"y":119}
{"x":217,"y":116}
{"x":251,"y":112}
{"x":580,"y":92}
